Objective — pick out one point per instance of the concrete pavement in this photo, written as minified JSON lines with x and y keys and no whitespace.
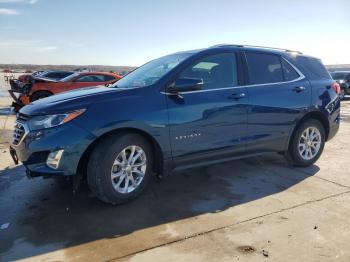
{"x":257,"y":209}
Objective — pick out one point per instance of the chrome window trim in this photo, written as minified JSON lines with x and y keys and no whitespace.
{"x":301,"y":77}
{"x":26,"y":131}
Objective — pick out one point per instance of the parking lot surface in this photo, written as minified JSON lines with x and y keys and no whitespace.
{"x":257,"y":209}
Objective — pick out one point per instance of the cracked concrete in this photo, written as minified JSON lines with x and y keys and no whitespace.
{"x":256,"y":209}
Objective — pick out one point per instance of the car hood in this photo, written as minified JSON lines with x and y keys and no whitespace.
{"x":72,"y":100}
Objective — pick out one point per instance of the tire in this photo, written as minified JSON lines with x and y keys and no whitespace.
{"x":101,"y":168}
{"x":294,"y":154}
{"x":39,"y":95}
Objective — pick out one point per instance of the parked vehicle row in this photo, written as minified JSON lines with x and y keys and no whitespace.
{"x":43,"y":84}
{"x":343,"y":79}
{"x":180,"y":111}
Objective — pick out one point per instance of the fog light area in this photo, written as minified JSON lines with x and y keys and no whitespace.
{"x":53,"y":160}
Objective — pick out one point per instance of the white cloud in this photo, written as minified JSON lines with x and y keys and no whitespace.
{"x":32,"y":46}
{"x":6,"y":11}
{"x":45,"y":48}
{"x":18,"y":1}
{"x":19,"y":43}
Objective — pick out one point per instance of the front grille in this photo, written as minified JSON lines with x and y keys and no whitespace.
{"x":18,"y":133}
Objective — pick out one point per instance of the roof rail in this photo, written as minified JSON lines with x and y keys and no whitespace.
{"x":256,"y":46}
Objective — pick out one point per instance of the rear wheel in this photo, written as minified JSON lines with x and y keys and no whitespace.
{"x":120,"y":168}
{"x":307,"y":143}
{"x":39,"y":95}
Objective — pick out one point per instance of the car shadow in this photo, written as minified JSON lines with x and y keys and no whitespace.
{"x":45,"y":215}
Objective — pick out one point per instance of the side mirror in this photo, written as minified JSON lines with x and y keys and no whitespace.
{"x":185,"y":85}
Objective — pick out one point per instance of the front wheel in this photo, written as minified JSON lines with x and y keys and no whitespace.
{"x":307,"y":143}
{"x":120,"y":168}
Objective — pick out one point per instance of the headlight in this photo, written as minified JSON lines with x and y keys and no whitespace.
{"x":47,"y":121}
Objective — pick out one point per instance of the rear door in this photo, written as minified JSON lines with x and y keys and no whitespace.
{"x":278,"y":95}
{"x":210,"y":122}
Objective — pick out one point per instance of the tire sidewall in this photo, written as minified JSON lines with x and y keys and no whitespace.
{"x":295,"y":144}
{"x":113,"y":147}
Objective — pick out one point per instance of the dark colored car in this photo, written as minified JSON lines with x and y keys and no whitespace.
{"x":183,"y":110}
{"x":343,"y":79}
{"x":55,"y":75}
{"x":40,"y":87}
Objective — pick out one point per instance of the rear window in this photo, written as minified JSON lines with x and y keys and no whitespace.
{"x":264,"y":68}
{"x":315,"y":66}
{"x":91,"y":78}
{"x":289,"y":72}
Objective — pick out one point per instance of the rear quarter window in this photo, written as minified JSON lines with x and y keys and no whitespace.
{"x":315,"y":66}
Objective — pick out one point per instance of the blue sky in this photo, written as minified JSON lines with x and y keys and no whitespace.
{"x":131,"y":32}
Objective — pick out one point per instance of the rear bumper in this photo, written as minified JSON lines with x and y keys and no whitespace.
{"x":333,"y":129}
{"x":334,"y":121}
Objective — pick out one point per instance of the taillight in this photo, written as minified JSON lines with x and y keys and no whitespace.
{"x":336,"y":87}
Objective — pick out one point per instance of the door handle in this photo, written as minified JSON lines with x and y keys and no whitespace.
{"x":237,"y":96}
{"x":299,"y":89}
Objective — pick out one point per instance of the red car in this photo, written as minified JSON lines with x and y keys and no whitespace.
{"x":40,"y":87}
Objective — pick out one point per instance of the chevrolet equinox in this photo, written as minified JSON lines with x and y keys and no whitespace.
{"x":179,"y":111}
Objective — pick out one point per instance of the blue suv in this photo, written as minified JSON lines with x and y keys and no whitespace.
{"x":179,"y":111}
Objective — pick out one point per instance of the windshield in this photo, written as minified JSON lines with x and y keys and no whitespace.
{"x":70,"y":77}
{"x":151,"y":72}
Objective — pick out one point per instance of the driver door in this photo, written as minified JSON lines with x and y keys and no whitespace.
{"x":211,"y":122}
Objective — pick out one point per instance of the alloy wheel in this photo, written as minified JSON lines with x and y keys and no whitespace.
{"x":128,"y":169}
{"x":309,"y":143}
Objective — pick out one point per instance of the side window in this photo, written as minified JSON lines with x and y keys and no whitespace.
{"x":108,"y":78}
{"x":336,"y":76}
{"x":216,"y":71}
{"x":64,"y":74}
{"x":288,"y":71}
{"x":264,"y":68}
{"x":91,"y":78}
{"x":52,"y":75}
{"x":315,"y":66}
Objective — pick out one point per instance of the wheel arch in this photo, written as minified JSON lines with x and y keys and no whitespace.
{"x":156,"y":149}
{"x":311,"y":115}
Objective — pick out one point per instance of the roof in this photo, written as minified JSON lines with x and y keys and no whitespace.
{"x":342,"y":72}
{"x":98,"y":73}
{"x":255,"y":48}
{"x":273,"y":50}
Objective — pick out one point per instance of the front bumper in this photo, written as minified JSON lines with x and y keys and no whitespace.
{"x":35,"y":147}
